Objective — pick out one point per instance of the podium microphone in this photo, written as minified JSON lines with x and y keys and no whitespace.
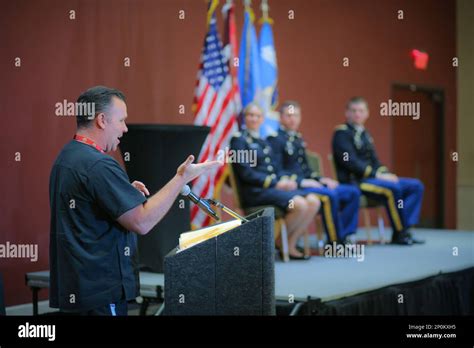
{"x":201,"y":203}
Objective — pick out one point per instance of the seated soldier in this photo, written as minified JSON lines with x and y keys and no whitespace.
{"x":340,"y":202}
{"x":357,"y":163}
{"x":262,"y":184}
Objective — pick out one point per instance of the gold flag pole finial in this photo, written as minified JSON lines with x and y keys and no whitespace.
{"x":248,"y":8}
{"x":212,"y":7}
{"x":265,"y":8}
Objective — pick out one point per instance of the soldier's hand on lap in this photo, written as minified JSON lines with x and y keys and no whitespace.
{"x":281,"y":185}
{"x":286,"y":185}
{"x":394,"y":177}
{"x":387,"y":176}
{"x":292,"y":185}
{"x":310,"y":183}
{"x":330,"y":183}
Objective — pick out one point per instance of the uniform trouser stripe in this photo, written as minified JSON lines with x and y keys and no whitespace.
{"x":327,"y":211}
{"x":390,"y":201}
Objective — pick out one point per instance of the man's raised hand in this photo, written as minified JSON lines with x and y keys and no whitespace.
{"x":189,"y":171}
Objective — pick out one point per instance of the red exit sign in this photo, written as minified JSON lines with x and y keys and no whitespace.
{"x":420,"y":59}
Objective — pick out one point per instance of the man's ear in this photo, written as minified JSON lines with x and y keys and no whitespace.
{"x":100,"y":120}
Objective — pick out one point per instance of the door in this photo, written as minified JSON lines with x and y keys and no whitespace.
{"x":417,"y":147}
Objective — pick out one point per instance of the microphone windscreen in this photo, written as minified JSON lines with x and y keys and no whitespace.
{"x":186,"y":190}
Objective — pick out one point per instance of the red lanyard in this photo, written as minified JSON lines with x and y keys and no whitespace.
{"x":88,"y":141}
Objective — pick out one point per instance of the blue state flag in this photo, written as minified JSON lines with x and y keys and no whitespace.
{"x":249,"y":61}
{"x":268,"y":78}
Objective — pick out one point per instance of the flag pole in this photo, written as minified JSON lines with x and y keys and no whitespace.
{"x":212,"y":7}
{"x":264,"y":7}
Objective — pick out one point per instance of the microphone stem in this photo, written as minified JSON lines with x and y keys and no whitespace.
{"x":227,"y":210}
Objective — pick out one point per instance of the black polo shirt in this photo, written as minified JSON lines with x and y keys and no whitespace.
{"x":90,"y":252}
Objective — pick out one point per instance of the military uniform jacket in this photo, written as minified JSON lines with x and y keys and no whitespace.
{"x":289,"y":150}
{"x":354,"y":154}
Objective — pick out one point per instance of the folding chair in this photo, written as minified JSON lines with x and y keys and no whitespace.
{"x":316,"y":165}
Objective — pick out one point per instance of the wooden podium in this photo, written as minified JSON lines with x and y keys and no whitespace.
{"x":231,"y":274}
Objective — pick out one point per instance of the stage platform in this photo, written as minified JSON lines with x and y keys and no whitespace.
{"x":382,"y":265}
{"x":331,"y":279}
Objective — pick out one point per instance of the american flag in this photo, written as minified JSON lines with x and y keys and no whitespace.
{"x":214,"y":106}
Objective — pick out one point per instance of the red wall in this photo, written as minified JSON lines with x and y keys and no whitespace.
{"x":62,"y":57}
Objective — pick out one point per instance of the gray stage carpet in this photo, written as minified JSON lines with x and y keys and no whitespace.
{"x":381,"y":265}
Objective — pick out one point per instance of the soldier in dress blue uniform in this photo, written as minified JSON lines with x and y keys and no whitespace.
{"x":357,"y":163}
{"x":261,"y":183}
{"x":340,"y":202}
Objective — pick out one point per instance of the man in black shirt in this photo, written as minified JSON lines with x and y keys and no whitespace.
{"x":95,"y":209}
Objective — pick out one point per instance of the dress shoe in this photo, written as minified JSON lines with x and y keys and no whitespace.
{"x":415,"y":240}
{"x":402,"y":238}
{"x":304,"y":257}
{"x":350,"y":239}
